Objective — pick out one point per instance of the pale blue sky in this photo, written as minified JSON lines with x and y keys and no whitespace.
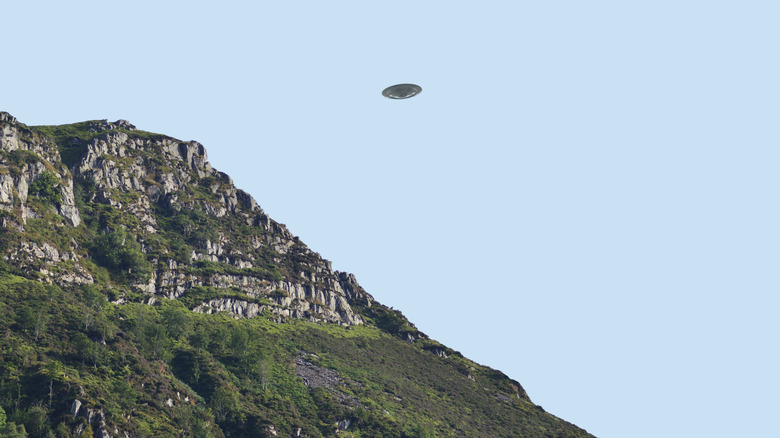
{"x":584,"y":195}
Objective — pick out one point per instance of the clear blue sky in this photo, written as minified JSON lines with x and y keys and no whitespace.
{"x":584,"y":196}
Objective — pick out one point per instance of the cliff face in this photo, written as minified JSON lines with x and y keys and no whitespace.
{"x":145,"y":179}
{"x":143,"y":295}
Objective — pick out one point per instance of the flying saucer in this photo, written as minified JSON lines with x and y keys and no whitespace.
{"x":402,"y":91}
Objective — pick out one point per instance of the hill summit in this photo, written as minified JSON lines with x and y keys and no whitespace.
{"x":144,"y":295}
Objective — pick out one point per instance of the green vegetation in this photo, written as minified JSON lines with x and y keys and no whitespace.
{"x":200,"y":294}
{"x":119,"y":252}
{"x":163,"y":370}
{"x":47,"y":188}
{"x":10,"y":430}
{"x":239,"y":375}
{"x":71,"y":139}
{"x":21,"y":157}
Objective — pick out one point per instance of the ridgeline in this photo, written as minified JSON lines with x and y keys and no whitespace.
{"x":143,"y":295}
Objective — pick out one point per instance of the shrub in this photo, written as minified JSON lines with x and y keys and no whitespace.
{"x":117,"y":251}
{"x":46,"y":188}
{"x":23,"y":156}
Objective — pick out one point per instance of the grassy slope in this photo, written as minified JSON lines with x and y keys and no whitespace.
{"x":153,"y":352}
{"x":134,"y":361}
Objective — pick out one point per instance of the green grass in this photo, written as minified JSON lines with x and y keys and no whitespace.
{"x":72,"y":139}
{"x":58,"y":344}
{"x":151,"y":353}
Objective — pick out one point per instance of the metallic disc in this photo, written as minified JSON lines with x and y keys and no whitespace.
{"x":402,"y":91}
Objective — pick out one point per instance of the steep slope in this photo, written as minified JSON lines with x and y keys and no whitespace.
{"x":144,"y":295}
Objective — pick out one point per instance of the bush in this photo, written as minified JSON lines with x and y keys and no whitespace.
{"x":36,"y":420}
{"x":46,"y":188}
{"x":12,"y":430}
{"x":22,"y":156}
{"x":117,"y":251}
{"x":392,"y":321}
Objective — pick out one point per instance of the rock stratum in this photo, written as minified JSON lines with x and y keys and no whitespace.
{"x":152,"y":298}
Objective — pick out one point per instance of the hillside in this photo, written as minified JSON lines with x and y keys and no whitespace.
{"x":143,"y":295}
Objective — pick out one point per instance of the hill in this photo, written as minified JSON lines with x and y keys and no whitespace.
{"x":143,"y":295}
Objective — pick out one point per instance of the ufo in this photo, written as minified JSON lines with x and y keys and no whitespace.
{"x":402,"y":91}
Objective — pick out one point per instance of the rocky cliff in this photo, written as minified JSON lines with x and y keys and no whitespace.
{"x":143,"y":295}
{"x":148,"y":176}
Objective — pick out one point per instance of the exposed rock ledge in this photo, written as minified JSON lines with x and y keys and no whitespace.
{"x":301,"y":310}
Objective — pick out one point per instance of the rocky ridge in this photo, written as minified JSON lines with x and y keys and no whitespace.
{"x":137,"y":179}
{"x":117,"y":244}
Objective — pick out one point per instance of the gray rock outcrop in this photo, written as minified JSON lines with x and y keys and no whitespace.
{"x":141,"y":174}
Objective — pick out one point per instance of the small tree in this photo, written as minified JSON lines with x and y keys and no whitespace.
{"x":202,"y":429}
{"x":62,"y":431}
{"x":87,"y":433}
{"x":86,"y":349}
{"x":223,"y":403}
{"x":55,"y":372}
{"x":34,"y":321}
{"x":12,"y":430}
{"x":94,"y":301}
{"x":239,"y":343}
{"x":119,"y":251}
{"x":39,"y":323}
{"x":36,"y":420}
{"x":265,"y":373}
{"x":150,"y":333}
{"x":177,"y":321}
{"x":47,"y":188}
